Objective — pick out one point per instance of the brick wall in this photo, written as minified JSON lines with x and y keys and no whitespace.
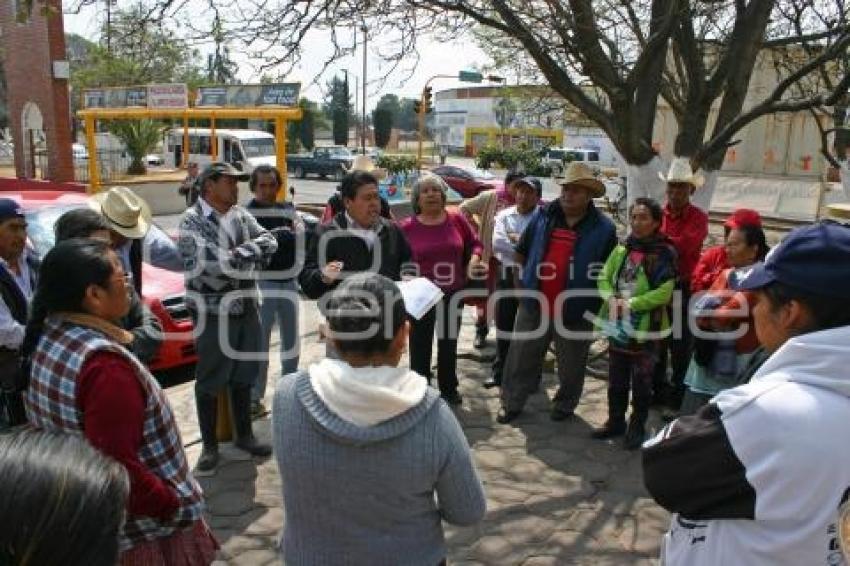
{"x":29,"y":49}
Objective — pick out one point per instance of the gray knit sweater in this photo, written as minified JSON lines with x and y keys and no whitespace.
{"x":366,"y":495}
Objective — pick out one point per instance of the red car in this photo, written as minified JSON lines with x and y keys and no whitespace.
{"x":468,"y":181}
{"x":164,"y":290}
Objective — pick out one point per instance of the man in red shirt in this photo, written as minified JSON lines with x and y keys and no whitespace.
{"x":687,"y":226}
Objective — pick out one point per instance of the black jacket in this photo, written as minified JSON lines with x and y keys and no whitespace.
{"x":352,"y":251}
{"x":279,"y":219}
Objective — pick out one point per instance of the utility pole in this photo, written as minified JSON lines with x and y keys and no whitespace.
{"x":346,"y":105}
{"x":109,"y":27}
{"x":364,"y":29}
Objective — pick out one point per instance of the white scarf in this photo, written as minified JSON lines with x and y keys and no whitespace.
{"x":368,"y":395}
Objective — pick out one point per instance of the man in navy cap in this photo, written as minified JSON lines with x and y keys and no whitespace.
{"x":18,"y":271}
{"x":758,"y":475}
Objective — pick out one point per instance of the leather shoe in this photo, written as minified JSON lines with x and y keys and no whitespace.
{"x":505,"y":416}
{"x":559,"y":415}
{"x":492,"y":382}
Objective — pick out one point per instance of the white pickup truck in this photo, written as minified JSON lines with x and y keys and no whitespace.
{"x":556,"y":157}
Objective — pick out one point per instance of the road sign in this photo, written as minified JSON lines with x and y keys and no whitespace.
{"x":470,"y":76}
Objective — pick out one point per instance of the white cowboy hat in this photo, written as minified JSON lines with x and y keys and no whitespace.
{"x":578,"y":173}
{"x":364,"y":163}
{"x":681,"y":172}
{"x":124,"y":211}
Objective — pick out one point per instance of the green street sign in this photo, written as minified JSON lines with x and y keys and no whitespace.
{"x":470,"y":77}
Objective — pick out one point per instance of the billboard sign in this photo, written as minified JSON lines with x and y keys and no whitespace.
{"x":242,"y":96}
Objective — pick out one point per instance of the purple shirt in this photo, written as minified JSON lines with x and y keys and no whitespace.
{"x":438,"y":249}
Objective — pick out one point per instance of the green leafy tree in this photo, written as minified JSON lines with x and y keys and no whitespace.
{"x":382,"y":119}
{"x":338,"y":109}
{"x":406,"y":119}
{"x":140,"y":137}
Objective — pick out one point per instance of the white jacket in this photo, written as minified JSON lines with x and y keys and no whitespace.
{"x":757,"y":477}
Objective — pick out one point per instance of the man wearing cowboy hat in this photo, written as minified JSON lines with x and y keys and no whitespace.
{"x":565,"y":244}
{"x":687,"y":226}
{"x":129,"y":219}
{"x":223,"y":248}
{"x":361,"y":163}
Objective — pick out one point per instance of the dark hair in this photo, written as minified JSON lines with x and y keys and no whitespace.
{"x":264,"y":170}
{"x":827,"y":312}
{"x":651,"y":205}
{"x":369,"y":309}
{"x":353,"y":181}
{"x":61,"y":500}
{"x":513,"y":175}
{"x":66,"y":272}
{"x":79,"y":223}
{"x":753,"y":236}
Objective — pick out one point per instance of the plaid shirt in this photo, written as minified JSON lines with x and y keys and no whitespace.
{"x":219,"y":260}
{"x":51,"y":404}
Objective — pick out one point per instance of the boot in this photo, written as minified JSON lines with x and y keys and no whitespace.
{"x":636,"y":433}
{"x":240,"y":399}
{"x":207,"y":413}
{"x":616,"y":424}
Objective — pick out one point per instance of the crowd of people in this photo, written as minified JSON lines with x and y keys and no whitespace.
{"x":755,"y":341}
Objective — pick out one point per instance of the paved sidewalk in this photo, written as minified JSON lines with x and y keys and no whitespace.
{"x":554,"y":496}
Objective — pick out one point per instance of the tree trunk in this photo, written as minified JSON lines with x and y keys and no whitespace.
{"x":844,"y":175}
{"x":643,"y":181}
{"x":703,"y":195}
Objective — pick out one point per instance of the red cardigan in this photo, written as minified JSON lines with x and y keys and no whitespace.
{"x":727,"y":319}
{"x":112,"y":402}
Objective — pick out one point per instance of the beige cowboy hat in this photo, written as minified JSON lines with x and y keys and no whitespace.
{"x":364,"y":163}
{"x":578,"y":173}
{"x":124,"y":211}
{"x":681,"y":172}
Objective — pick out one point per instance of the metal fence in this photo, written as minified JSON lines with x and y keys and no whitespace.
{"x":111,"y":163}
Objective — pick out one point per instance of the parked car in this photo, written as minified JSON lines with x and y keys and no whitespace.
{"x":79,"y":152}
{"x":164,"y":291}
{"x":468,"y":181}
{"x":557,"y":157}
{"x":330,"y":161}
{"x":153,"y":159}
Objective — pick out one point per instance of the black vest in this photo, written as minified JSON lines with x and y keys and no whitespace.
{"x":12,"y":296}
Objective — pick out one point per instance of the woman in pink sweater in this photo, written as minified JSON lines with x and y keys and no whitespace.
{"x":447,"y":251}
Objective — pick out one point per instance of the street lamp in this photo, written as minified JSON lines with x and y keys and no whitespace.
{"x":364,"y":29}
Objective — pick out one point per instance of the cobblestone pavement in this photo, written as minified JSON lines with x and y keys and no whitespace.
{"x":554,"y":496}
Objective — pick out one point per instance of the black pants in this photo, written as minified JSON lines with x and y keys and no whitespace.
{"x":447,"y":325}
{"x":679,"y":349}
{"x":506,"y":308}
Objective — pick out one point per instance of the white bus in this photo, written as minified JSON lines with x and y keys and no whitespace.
{"x":244,"y":149}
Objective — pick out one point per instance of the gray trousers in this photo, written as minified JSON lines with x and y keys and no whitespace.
{"x":525,"y":361}
{"x":216,"y":370}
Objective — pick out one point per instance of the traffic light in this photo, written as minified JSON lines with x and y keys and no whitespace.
{"x":426,"y":99}
{"x":417,"y":106}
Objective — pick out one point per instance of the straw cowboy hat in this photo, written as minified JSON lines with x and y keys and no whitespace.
{"x":126,"y":213}
{"x":364,"y":163}
{"x":578,"y":173}
{"x":681,"y":172}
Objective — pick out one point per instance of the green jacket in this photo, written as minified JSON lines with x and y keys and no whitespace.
{"x":645,"y":304}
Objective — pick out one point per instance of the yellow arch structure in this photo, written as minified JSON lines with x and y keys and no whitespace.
{"x":279,"y":114}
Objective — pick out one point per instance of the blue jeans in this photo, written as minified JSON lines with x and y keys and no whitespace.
{"x":278,"y":304}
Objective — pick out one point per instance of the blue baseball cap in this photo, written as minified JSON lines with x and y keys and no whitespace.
{"x":814,"y":259}
{"x":10,"y":208}
{"x":532,"y":182}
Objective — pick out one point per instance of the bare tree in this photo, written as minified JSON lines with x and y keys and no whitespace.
{"x":609,"y":59}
